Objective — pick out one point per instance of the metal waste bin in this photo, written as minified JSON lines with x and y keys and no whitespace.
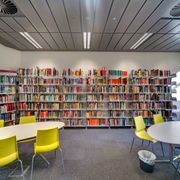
{"x":147,"y":160}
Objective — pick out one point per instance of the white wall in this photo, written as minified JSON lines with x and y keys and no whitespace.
{"x":10,"y":59}
{"x":13,"y":59}
{"x":89,"y":60}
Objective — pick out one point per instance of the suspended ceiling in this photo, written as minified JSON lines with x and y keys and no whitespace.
{"x":115,"y":25}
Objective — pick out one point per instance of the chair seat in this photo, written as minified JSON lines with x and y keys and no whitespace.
{"x":46,"y":148}
{"x":145,"y":136}
{"x":8,"y":159}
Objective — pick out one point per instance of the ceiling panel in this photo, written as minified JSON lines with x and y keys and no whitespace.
{"x":22,"y":40}
{"x":167,"y":41}
{"x":170,"y":26}
{"x":24,"y":22}
{"x":175,"y":30}
{"x":48,"y":38}
{"x":117,"y":11}
{"x":141,"y":17}
{"x":44,"y":12}
{"x":149,"y":41}
{"x":95,"y":40}
{"x":68,"y":40}
{"x":40,"y":40}
{"x":115,"y":24}
{"x":12,"y":23}
{"x":159,"y":41}
{"x":114,"y":40}
{"x":130,"y":13}
{"x":157,"y":14}
{"x":11,"y":40}
{"x":105,"y":41}
{"x":175,"y":47}
{"x":78,"y":40}
{"x":58,"y":11}
{"x":124,"y":39}
{"x":101,"y":15}
{"x":5,"y":27}
{"x":171,"y":44}
{"x":132,"y":41}
{"x":73,"y":13}
{"x":28,"y":10}
{"x":59,"y":40}
{"x":87,"y":15}
{"x":159,"y":25}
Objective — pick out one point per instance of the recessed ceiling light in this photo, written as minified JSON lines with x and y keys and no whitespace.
{"x":141,"y":40}
{"x":31,"y":40}
{"x":114,"y":18}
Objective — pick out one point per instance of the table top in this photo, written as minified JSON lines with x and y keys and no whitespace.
{"x":167,"y":132}
{"x":26,"y":131}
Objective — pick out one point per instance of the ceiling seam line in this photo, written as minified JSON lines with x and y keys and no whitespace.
{"x":118,"y":24}
{"x":112,"y":2}
{"x":42,"y":23}
{"x":132,"y":22}
{"x":68,"y":22}
{"x":56,"y":25}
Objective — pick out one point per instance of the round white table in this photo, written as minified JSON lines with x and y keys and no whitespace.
{"x":167,"y":132}
{"x":27,"y":131}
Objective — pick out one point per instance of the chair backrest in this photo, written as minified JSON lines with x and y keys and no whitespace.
{"x":47,"y":137}
{"x":9,"y":149}
{"x":1,"y":122}
{"x":158,"y":118}
{"x":139,"y":123}
{"x":27,"y":119}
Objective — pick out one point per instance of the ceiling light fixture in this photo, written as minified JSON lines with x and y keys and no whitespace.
{"x":86,"y":39}
{"x":30,"y":39}
{"x":141,"y":40}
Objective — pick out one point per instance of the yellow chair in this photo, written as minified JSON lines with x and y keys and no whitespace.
{"x":46,"y":140}
{"x":158,"y":118}
{"x":140,"y":131}
{"x":1,"y":122}
{"x":9,"y":154}
{"x":27,"y":119}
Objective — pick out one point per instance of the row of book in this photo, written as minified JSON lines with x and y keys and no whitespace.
{"x":7,"y":98}
{"x":97,"y":122}
{"x":73,"y":97}
{"x":72,"y":114}
{"x":75,"y":105}
{"x":7,"y":89}
{"x":75,"y":122}
{"x":49,"y":114}
{"x":99,"y":105}
{"x":97,"y":113}
{"x":7,"y":79}
{"x":152,"y":72}
{"x":8,"y":117}
{"x":7,"y":107}
{"x":118,"y":122}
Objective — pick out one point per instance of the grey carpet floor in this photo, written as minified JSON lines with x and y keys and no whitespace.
{"x":95,"y":154}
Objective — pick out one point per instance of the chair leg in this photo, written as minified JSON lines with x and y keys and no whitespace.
{"x":22,"y":170}
{"x":43,"y":157}
{"x":132,"y":144}
{"x":162,"y":148}
{"x":176,"y":170}
{"x":142,"y":142}
{"x":62,"y":157}
{"x":32,"y":166}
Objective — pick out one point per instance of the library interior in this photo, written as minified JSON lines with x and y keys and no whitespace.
{"x":90,"y":89}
